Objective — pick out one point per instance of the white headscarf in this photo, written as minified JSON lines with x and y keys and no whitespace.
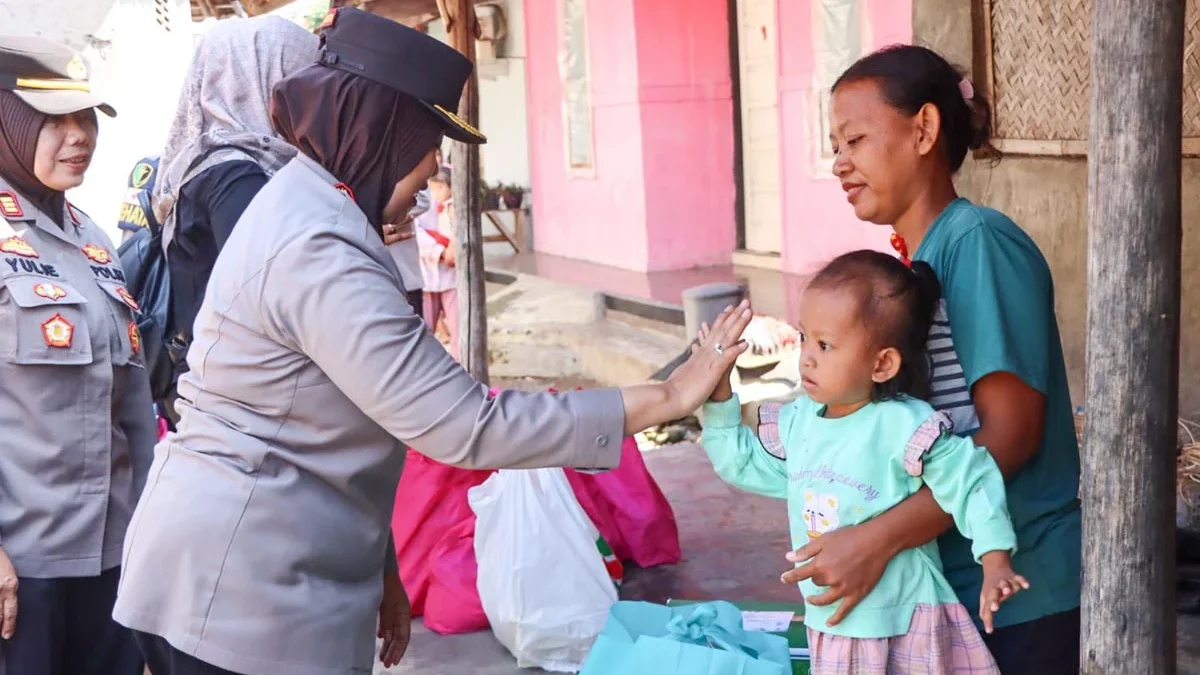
{"x":226,"y":99}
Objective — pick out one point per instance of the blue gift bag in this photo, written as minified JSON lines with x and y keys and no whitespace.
{"x":641,"y":638}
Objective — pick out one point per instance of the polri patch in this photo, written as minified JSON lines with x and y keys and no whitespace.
{"x":97,"y":254}
{"x":127,"y":297}
{"x":18,"y":246}
{"x":49,"y":291}
{"x":135,"y":338}
{"x":58,"y":332}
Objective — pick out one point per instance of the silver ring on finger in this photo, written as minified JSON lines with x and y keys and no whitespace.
{"x":719,"y":348}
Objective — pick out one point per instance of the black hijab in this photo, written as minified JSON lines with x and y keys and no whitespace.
{"x":20,"y":125}
{"x":366,"y":134}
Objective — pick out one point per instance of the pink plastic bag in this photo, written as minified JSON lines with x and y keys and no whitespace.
{"x":630,"y":510}
{"x":434,"y":529}
{"x":431,"y":500}
{"x":452,"y":605}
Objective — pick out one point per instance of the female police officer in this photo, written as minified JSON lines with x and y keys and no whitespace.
{"x":75,"y":409}
{"x":260,"y":545}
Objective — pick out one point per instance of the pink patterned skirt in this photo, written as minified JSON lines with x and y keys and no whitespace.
{"x":941,"y":640}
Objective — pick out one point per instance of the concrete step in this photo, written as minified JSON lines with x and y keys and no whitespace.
{"x":545,"y":329}
{"x":538,"y":328}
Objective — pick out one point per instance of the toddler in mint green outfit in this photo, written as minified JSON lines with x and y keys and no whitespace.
{"x":861,"y":442}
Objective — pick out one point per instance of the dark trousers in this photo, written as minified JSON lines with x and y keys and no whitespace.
{"x":1045,"y":646}
{"x":65,"y":627}
{"x":163,"y":659}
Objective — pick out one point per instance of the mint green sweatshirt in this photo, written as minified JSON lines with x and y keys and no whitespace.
{"x":842,"y":472}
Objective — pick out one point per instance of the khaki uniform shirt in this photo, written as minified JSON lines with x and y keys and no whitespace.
{"x":259,"y":546}
{"x":75,"y":408}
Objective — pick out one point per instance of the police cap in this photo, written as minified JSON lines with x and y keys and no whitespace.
{"x":48,"y":76}
{"x":402,"y":58}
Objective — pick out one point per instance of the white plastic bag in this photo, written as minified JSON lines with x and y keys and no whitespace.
{"x":542,"y":580}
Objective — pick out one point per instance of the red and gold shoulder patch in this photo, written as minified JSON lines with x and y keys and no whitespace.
{"x":9,"y":206}
{"x":97,"y":254}
{"x":58,"y":332}
{"x":345,"y":189}
{"x":18,"y":246}
{"x":329,"y":20}
{"x":135,"y":338}
{"x":49,"y":291}
{"x":127,"y":297}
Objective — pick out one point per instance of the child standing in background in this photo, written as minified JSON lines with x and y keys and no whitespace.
{"x":435,"y":241}
{"x":862,"y":441}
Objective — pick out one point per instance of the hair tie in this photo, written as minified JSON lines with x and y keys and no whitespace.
{"x":967,"y":91}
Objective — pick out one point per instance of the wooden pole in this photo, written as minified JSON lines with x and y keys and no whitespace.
{"x":1134,"y":234}
{"x":459,"y":17}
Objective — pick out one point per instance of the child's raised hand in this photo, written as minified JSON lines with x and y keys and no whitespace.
{"x":724,"y":390}
{"x":692,"y":383}
{"x":1000,"y":582}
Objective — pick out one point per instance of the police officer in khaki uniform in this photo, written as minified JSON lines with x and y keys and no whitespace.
{"x":75,"y":408}
{"x":261,"y":545}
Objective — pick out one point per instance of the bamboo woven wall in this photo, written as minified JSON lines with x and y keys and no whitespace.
{"x":1035,"y":56}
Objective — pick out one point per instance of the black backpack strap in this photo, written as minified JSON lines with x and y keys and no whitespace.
{"x":146,"y":202}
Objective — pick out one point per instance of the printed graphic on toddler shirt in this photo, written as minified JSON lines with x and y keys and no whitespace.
{"x":820,"y":513}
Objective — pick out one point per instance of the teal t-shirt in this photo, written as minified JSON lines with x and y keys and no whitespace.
{"x":997,"y":315}
{"x":841,"y":472}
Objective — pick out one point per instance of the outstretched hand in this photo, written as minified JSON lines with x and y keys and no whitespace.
{"x":713,"y":357}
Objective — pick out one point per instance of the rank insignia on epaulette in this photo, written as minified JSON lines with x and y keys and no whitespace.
{"x":9,"y":206}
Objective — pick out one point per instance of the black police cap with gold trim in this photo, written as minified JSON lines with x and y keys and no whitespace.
{"x":48,"y":76}
{"x":402,"y":58}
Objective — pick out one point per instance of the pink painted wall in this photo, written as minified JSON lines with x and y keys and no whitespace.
{"x":661,"y":194}
{"x":818,"y":223}
{"x":596,"y":215}
{"x":686,"y":92}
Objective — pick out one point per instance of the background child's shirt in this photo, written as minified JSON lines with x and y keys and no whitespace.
{"x":438,"y":276}
{"x":428,"y":220}
{"x":842,"y":472}
{"x":997,"y":315}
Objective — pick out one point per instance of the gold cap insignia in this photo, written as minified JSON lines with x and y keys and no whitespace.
{"x":76,"y":70}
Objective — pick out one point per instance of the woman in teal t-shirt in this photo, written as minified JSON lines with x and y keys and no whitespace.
{"x":903,"y":120}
